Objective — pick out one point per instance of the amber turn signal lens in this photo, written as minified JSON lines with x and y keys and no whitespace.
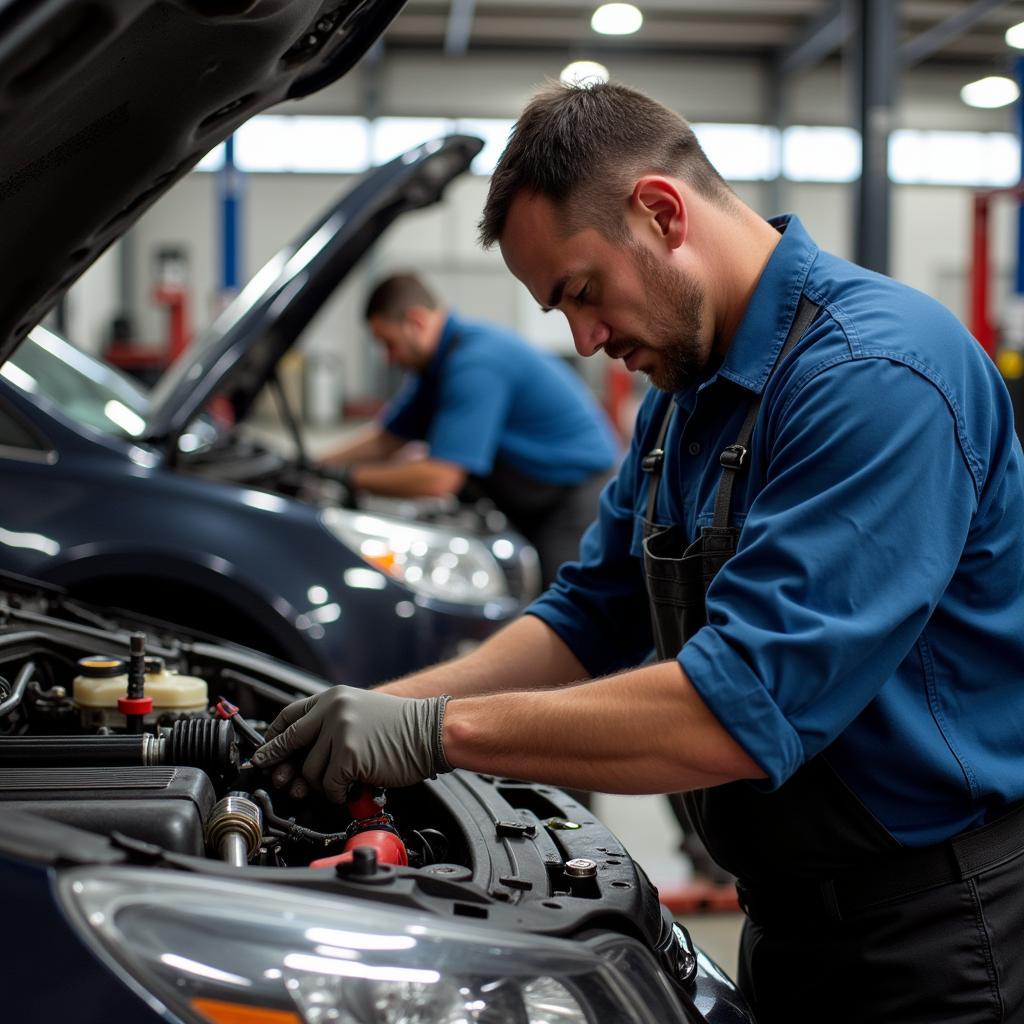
{"x":219,"y":1012}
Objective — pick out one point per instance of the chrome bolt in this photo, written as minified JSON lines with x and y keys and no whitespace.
{"x":581,"y":867}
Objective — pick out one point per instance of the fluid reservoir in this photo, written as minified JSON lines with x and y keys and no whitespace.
{"x":103,"y":678}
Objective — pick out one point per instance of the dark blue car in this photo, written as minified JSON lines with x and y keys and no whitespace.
{"x":145,"y":501}
{"x":147,"y":871}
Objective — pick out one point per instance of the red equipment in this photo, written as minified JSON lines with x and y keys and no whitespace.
{"x":981,"y":323}
{"x":154,"y":359}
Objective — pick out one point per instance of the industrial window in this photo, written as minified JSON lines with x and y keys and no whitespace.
{"x":275,"y":143}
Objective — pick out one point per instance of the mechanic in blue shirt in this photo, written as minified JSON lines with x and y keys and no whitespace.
{"x":823,"y":545}
{"x":516,"y":424}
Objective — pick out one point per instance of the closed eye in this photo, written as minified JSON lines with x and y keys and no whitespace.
{"x":557,"y":294}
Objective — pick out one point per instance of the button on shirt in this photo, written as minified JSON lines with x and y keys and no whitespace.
{"x":875,"y":606}
{"x":487,"y":395}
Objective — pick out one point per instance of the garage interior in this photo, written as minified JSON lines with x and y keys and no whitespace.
{"x":858,"y":116}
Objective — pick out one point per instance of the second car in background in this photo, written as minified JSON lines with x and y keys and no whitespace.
{"x":145,"y":500}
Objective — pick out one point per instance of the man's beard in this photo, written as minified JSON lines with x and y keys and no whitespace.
{"x":673,"y":330}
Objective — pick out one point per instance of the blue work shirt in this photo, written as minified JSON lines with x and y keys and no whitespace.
{"x":486,"y":395}
{"x":875,"y":604}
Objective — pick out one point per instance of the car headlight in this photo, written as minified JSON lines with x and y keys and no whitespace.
{"x":215,"y":951}
{"x":428,"y":559}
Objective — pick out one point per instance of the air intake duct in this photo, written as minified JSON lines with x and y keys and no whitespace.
{"x":197,"y":743}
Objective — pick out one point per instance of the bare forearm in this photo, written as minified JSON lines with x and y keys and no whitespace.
{"x":644,"y":731}
{"x":526,"y":653}
{"x":415,"y":478}
{"x":370,"y":442}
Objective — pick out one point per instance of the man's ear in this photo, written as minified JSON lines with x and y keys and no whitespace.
{"x":659,"y":201}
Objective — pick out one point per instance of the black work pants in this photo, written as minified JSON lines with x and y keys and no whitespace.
{"x":552,"y":517}
{"x":950,"y":955}
{"x":556,"y":531}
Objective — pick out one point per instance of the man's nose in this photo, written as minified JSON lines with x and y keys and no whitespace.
{"x":588,"y":334}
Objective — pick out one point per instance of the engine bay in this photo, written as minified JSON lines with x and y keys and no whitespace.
{"x":130,"y":742}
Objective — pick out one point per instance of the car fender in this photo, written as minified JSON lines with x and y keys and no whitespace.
{"x":200,"y":591}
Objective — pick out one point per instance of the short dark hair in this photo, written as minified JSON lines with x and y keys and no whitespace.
{"x":395,"y":295}
{"x":584,"y":146}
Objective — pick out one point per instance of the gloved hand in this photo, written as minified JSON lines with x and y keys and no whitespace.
{"x":359,"y":736}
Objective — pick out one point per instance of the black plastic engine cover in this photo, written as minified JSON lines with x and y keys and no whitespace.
{"x":164,"y":806}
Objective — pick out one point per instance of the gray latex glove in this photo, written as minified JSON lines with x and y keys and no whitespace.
{"x":359,"y":736}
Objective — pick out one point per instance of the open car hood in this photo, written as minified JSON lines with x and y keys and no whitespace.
{"x":105,"y":104}
{"x":240,"y":352}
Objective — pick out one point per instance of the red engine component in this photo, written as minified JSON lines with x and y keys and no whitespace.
{"x":371,"y":826}
{"x":388,"y":845}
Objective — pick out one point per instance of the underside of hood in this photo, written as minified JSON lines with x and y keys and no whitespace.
{"x":240,"y":352}
{"x":104,"y":104}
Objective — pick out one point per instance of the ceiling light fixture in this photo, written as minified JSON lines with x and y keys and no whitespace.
{"x":617,"y":19}
{"x":1015,"y":36}
{"x":583,"y":72}
{"x":990,"y":92}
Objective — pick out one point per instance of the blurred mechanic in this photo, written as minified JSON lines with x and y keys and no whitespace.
{"x":519,"y":425}
{"x":820,"y":530}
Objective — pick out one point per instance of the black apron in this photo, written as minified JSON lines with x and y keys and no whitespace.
{"x":843,"y":922}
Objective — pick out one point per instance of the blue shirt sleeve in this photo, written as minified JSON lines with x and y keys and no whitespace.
{"x":843,"y":557}
{"x":472,"y":406}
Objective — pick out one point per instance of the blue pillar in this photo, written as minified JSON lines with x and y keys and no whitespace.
{"x":1018,"y":70}
{"x":231,"y":181}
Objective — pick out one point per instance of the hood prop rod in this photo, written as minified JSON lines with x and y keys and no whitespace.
{"x":285,"y":409}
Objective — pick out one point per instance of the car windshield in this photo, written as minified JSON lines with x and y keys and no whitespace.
{"x":87,"y":390}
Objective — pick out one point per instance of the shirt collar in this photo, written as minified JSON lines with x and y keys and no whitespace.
{"x":770,"y":312}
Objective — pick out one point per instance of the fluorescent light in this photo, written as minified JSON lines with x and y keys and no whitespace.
{"x":393,"y":136}
{"x":281,"y":143}
{"x":583,"y":72}
{"x":494,"y":132}
{"x":616,"y":19}
{"x":990,"y":92}
{"x":1015,"y":36}
{"x":974,"y":159}
{"x":811,"y":153}
{"x":740,"y":152}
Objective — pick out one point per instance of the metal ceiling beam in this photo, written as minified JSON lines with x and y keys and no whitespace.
{"x":922,"y":46}
{"x":460,"y":27}
{"x":877,"y":32}
{"x":371,"y":76}
{"x":820,"y":39}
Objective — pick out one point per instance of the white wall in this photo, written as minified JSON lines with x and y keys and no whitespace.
{"x":94,"y":301}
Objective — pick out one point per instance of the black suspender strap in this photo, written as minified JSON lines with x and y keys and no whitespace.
{"x":734,"y":457}
{"x":654,"y":460}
